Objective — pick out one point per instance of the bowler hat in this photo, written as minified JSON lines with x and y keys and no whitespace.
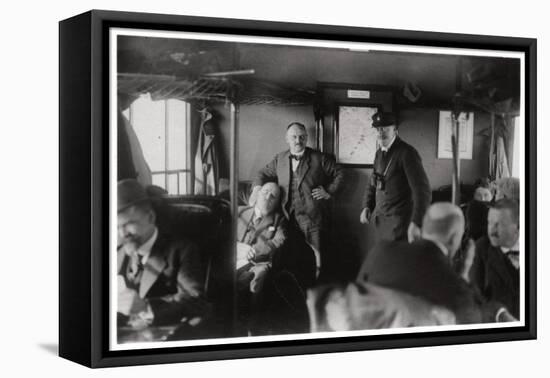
{"x":381,"y":119}
{"x":130,"y":192}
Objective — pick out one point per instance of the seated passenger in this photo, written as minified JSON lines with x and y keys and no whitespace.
{"x":476,"y":213}
{"x":495,"y":269}
{"x":364,"y":305}
{"x":160,"y":278}
{"x":261,"y":234}
{"x":423,"y":268}
{"x":507,"y":187}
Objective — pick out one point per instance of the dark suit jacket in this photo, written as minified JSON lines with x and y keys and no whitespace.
{"x":316,"y":169}
{"x":495,"y":276}
{"x":172,"y":281}
{"x":407,"y":192}
{"x":421,"y":269}
{"x":268,"y":237}
{"x":476,"y":219}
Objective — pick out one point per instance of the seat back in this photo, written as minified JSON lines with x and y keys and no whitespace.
{"x":206,"y":221}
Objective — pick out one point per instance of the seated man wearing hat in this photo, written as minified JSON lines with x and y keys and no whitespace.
{"x":398,"y":193}
{"x":160,"y":278}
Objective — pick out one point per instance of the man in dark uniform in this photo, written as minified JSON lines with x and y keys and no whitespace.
{"x":308,"y":179}
{"x":398,"y":193}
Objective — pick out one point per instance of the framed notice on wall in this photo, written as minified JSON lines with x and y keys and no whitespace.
{"x":355,"y":140}
{"x":465,"y":135}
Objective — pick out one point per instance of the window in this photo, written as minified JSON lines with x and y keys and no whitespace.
{"x":162,"y":130}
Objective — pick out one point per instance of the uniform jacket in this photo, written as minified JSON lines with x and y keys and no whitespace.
{"x":172,"y":280}
{"x":421,"y":269}
{"x":315,"y":169}
{"x":495,"y":276}
{"x":406,"y":194}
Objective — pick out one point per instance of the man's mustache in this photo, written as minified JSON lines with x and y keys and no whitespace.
{"x":129,"y":244}
{"x":129,"y":239}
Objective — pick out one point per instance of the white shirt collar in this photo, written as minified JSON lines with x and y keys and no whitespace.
{"x":145,"y":249}
{"x":295,"y":162}
{"x":389,"y":145}
{"x":257,"y":213}
{"x":515,"y":247}
{"x":443,"y":249}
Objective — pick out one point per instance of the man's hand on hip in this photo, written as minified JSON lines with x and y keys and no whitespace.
{"x":320,"y":193}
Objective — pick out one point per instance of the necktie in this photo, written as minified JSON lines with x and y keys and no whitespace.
{"x":384,"y":157}
{"x":135,"y":268}
{"x":257,"y":221}
{"x":296,"y":157}
{"x":251,"y":232}
{"x":513,"y":256}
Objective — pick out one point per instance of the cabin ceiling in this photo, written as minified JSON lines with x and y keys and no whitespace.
{"x":301,"y":68}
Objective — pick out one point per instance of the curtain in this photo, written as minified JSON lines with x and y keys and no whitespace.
{"x":125,"y":163}
{"x":142,"y":172}
{"x":498,"y":158}
{"x":206,"y":157}
{"x":502,"y":167}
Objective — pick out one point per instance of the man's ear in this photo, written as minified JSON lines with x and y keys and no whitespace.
{"x":152,"y":216}
{"x":454,"y":239}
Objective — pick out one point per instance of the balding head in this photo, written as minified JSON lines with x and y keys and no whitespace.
{"x":269,"y":198}
{"x":444,"y":223}
{"x":483,"y":194}
{"x":296,"y":137}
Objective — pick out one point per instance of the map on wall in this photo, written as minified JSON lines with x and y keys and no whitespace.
{"x":356,"y":142}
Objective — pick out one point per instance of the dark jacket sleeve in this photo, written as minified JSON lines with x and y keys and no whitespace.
{"x":477,"y":271}
{"x":334,"y":172}
{"x":369,"y":197}
{"x":419,"y":184}
{"x":188,"y":300}
{"x":267,"y":247}
{"x":267,"y":173}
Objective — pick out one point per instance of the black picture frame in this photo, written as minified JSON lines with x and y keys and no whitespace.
{"x":84,"y":187}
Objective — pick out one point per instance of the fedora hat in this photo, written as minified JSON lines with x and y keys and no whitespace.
{"x":130,"y":192}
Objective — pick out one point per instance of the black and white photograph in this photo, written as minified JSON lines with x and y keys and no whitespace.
{"x":276,"y":189}
{"x":268,"y":189}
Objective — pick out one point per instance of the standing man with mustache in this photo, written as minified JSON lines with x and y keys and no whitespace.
{"x":398,"y":193}
{"x":309,"y":179}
